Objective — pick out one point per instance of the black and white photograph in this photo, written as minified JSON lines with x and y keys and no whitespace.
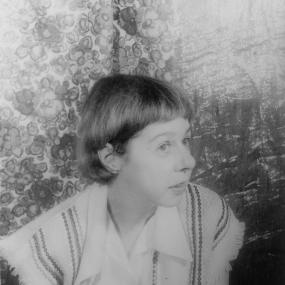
{"x":142,"y":142}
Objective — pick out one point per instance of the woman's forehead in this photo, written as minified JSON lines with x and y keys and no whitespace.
{"x":176,"y":126}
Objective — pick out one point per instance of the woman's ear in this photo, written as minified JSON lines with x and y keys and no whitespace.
{"x":110,"y":159}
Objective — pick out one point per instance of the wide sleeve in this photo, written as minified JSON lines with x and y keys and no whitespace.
{"x":46,"y":251}
{"x":226,"y":243}
{"x":26,"y":252}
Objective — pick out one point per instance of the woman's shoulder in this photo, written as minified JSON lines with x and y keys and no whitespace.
{"x":74,"y":208}
{"x":213,"y":209}
{"x":220,"y":226}
{"x":49,"y":240}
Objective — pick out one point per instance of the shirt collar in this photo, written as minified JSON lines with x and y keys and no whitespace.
{"x":169,"y":234}
{"x":164,"y":232}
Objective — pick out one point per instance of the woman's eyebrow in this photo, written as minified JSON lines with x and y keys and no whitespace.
{"x":161,"y":135}
{"x":168,"y":133}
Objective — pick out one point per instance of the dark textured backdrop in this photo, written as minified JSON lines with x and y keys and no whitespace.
{"x":228,"y":55}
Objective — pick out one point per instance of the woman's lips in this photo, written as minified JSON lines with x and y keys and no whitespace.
{"x":181,"y":184}
{"x":178,"y":188}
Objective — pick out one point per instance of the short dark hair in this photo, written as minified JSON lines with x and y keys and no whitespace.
{"x":116,"y":109}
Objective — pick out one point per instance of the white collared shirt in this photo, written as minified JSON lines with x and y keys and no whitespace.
{"x":68,"y":244}
{"x":163,"y":233}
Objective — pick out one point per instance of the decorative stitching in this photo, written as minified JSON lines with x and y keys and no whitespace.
{"x":78,"y":223}
{"x":199,"y":235}
{"x":224,"y":230}
{"x":154,"y":267}
{"x":188,"y":226}
{"x":75,"y":230}
{"x":193,"y":210}
{"x":223,"y":213}
{"x":76,"y":235}
{"x":220,"y":229}
{"x":224,"y":224}
{"x":52,"y":261}
{"x":42,"y":260}
{"x":37,"y":262}
{"x":70,"y":246}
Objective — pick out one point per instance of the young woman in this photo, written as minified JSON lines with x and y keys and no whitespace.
{"x":139,"y":220}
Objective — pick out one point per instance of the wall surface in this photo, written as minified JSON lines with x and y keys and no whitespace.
{"x":233,"y":64}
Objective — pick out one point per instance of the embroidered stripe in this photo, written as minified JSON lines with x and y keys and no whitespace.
{"x":222,"y":223}
{"x":188,"y":227}
{"x":58,"y":272}
{"x":43,"y":262}
{"x":199,"y":221}
{"x":78,"y":223}
{"x":70,"y":245}
{"x":76,"y":235}
{"x":193,"y":209}
{"x":222,"y":228}
{"x":75,"y":230}
{"x":37,"y":262}
{"x":223,"y":213}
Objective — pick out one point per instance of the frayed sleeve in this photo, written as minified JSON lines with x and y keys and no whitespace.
{"x":227,"y":241}
{"x":19,"y":250}
{"x":48,"y":250}
{"x":38,"y":250}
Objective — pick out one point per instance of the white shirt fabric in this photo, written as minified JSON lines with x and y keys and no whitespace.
{"x":78,"y":246}
{"x":164,"y":233}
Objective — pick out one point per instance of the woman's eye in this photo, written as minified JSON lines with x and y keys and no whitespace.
{"x":186,"y":141}
{"x":164,"y":147}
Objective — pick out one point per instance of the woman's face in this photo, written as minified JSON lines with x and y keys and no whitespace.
{"x":158,"y":163}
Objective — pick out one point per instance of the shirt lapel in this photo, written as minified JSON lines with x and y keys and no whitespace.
{"x":166,"y":235}
{"x":169,"y":235}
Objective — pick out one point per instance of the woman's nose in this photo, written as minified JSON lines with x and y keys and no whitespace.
{"x":185,"y":161}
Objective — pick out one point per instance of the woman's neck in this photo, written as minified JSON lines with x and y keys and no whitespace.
{"x":129,"y":212}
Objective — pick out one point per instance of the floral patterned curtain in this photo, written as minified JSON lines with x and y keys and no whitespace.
{"x":228,"y":56}
{"x":50,"y":53}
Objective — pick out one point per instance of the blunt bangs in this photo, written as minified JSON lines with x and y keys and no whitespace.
{"x":116,"y":110}
{"x":148,"y":109}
